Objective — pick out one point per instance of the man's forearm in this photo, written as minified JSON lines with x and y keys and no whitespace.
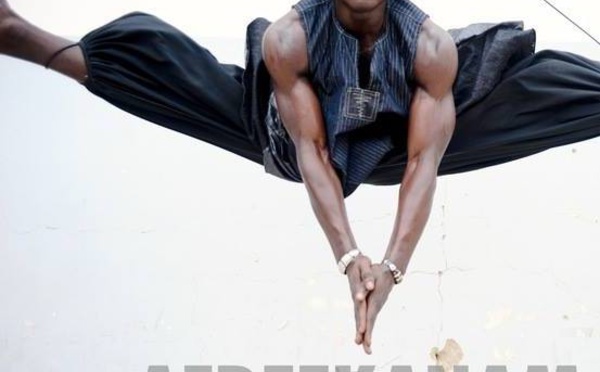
{"x":326,"y":197}
{"x":414,"y":207}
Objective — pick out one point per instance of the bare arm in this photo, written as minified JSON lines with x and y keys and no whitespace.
{"x":285,"y":55}
{"x":431,"y":124}
{"x":286,"y":60}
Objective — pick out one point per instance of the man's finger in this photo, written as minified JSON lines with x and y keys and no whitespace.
{"x":357,"y":273}
{"x":357,"y":322}
{"x":361,"y":322}
{"x":373,"y":308}
{"x":366,"y":275}
{"x":359,"y":292}
{"x":359,"y":298}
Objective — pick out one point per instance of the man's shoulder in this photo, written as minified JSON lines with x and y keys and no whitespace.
{"x":284,"y":42}
{"x":288,"y":27}
{"x":436,"y":59}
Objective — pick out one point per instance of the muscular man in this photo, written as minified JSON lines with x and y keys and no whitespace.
{"x":338,"y":93}
{"x":430,"y":127}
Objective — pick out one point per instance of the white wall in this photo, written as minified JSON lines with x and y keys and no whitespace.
{"x":124,"y":245}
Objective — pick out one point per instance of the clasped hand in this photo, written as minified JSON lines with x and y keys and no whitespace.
{"x":370,"y":285}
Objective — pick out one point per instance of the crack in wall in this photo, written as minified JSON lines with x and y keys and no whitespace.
{"x":441,"y":273}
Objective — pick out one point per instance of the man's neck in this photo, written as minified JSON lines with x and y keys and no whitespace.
{"x":365,"y":25}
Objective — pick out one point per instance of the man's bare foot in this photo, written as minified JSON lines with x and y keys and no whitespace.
{"x":4,"y":4}
{"x":5,"y":11}
{"x":8,"y":22}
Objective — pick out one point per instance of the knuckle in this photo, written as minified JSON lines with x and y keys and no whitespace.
{"x":352,"y":269}
{"x":353,"y":280}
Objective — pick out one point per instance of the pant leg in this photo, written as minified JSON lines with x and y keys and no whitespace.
{"x":549,"y":100}
{"x":152,"y":70}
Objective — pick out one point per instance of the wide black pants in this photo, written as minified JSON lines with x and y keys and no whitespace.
{"x":154,"y":71}
{"x":547,"y":100}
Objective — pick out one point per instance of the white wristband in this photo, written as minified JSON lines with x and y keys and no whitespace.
{"x":347,"y":259}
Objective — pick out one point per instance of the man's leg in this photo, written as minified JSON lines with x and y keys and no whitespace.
{"x":20,"y":39}
{"x":549,"y":100}
{"x":148,"y":68}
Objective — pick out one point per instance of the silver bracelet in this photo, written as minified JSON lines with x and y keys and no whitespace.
{"x":347,"y":259}
{"x":396,"y":273}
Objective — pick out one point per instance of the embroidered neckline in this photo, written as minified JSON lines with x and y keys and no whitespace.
{"x":382,"y":35}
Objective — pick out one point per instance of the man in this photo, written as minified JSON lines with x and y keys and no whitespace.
{"x":430,"y":127}
{"x":337,"y":93}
